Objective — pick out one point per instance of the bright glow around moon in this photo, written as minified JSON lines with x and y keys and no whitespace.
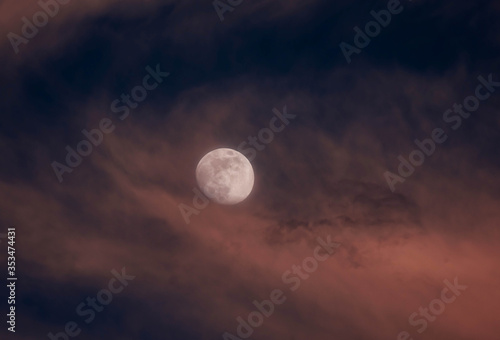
{"x":225,"y":176}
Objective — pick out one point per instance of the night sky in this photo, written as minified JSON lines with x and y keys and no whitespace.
{"x":375,"y":212}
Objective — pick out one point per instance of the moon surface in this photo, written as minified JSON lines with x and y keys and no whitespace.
{"x":225,"y":176}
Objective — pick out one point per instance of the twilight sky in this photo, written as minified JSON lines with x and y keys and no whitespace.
{"x":340,"y":170}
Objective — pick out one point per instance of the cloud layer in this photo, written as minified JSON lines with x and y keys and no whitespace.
{"x":323,"y":175}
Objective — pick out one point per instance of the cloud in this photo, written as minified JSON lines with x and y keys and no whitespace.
{"x":323,"y":175}
{"x":120,"y":209}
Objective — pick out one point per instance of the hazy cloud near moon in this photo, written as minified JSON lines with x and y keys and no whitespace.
{"x":129,"y":189}
{"x":321,"y":176}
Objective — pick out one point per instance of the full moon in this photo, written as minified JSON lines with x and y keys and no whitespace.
{"x":225,"y":176}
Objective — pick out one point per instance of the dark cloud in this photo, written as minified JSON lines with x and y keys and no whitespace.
{"x":322,"y":175}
